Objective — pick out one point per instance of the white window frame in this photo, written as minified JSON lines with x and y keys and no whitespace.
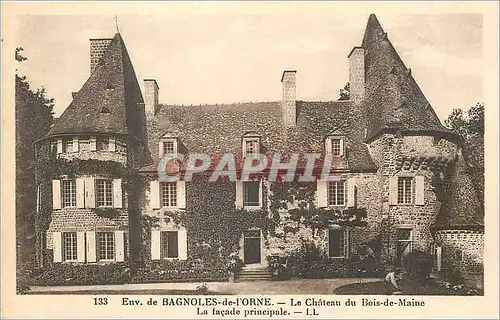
{"x":100,"y":141}
{"x":107,"y":242}
{"x":405,"y":190}
{"x":163,"y":235}
{"x":68,"y":142}
{"x":252,"y":207}
{"x":74,"y":245}
{"x":329,"y":145}
{"x":328,"y":186}
{"x":250,"y":140}
{"x":98,"y":195}
{"x":172,"y":193}
{"x":174,"y":142}
{"x":345,"y":236}
{"x":72,"y":193}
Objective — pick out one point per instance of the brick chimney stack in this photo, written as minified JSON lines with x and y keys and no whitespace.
{"x":97,"y":49}
{"x":150,"y":97}
{"x":357,"y":73}
{"x":288,"y":101}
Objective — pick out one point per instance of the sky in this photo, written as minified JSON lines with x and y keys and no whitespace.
{"x":230,"y":55}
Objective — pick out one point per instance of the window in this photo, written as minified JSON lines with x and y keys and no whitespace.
{"x":68,"y":193}
{"x":338,"y":243}
{"x":168,"y":147}
{"x":251,"y":146}
{"x":106,"y":245}
{"x":404,"y":244}
{"x":68,"y":145}
{"x":102,"y":143}
{"x":69,"y":246}
{"x":251,"y":197}
{"x":104,"y":193}
{"x":336,"y":147}
{"x":405,"y":186}
{"x":169,"y":244}
{"x":169,"y":194}
{"x":336,"y":193}
{"x":53,"y":146}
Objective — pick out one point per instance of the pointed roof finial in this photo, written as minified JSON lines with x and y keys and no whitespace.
{"x":116,"y":22}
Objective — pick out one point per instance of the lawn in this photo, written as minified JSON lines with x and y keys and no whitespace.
{"x":130,"y":292}
{"x":407,"y":287}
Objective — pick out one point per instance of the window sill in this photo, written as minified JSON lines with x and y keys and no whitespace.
{"x":337,"y":207}
{"x":337,"y":258}
{"x":252,"y":208}
{"x":170,"y":259}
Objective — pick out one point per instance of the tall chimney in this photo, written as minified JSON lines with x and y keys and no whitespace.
{"x":357,"y":73}
{"x":288,"y":100}
{"x":150,"y":97}
{"x":97,"y":49}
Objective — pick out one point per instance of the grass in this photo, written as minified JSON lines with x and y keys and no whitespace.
{"x":130,"y":292}
{"x":407,"y":287}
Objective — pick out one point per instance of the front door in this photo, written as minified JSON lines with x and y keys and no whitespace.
{"x":252,"y":247}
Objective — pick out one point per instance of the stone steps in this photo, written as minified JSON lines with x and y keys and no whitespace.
{"x":253,"y":274}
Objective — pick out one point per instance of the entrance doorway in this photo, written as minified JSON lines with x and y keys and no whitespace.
{"x":403,"y":244}
{"x":251,"y":247}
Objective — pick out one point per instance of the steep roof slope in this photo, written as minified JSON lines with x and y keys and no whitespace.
{"x":393,"y":99}
{"x":110,"y":101}
{"x":216,"y":130}
{"x":461,"y":208}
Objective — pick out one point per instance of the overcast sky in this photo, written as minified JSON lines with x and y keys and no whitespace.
{"x":230,"y":55}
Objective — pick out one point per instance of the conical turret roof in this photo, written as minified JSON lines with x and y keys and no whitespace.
{"x":393,"y":99}
{"x":110,"y":101}
{"x":461,"y":208}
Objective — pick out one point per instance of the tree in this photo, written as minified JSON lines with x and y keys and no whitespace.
{"x":33,"y":116}
{"x":345,"y":93}
{"x":471,"y":128}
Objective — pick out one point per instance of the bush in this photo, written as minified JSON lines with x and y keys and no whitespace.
{"x":418,"y":265}
{"x":191,"y":270}
{"x":83,"y":274}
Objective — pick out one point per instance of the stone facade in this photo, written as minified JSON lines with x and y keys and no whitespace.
{"x":289,"y":106}
{"x":357,"y":73}
{"x":97,"y":49}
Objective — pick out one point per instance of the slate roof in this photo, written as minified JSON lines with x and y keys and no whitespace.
{"x":393,"y":100}
{"x":461,"y":208}
{"x":218,"y":129}
{"x":110,"y":101}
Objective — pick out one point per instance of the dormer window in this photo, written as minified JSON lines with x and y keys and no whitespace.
{"x":334,"y":145}
{"x":251,"y":144}
{"x":168,"y":146}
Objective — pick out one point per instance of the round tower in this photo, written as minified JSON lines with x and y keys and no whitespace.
{"x":459,"y":228}
{"x":85,"y":213}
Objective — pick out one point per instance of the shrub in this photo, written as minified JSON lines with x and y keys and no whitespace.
{"x":418,"y":265}
{"x":83,"y":274}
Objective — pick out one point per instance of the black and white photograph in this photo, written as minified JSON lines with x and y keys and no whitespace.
{"x":245,"y":151}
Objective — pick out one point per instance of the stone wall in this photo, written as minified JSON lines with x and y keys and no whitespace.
{"x":463,"y":250}
{"x":97,"y":49}
{"x":357,"y":74}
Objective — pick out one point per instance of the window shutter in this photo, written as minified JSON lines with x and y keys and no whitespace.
{"x":80,"y":193}
{"x":93,"y":143}
{"x":38,"y":198}
{"x":112,"y":144}
{"x":351,"y":192}
{"x":239,"y":194}
{"x":393,"y":191}
{"x":57,"y":245}
{"x":119,"y":246}
{"x":419,"y":190}
{"x":75,"y":143}
{"x":160,"y":149}
{"x":182,"y":243}
{"x":328,"y":146}
{"x":321,"y":193}
{"x":59,"y":146}
{"x":261,"y":193}
{"x":181,"y":194}
{"x":154,"y":190}
{"x":89,"y":192}
{"x":56,"y":194}
{"x":80,"y":246}
{"x":91,"y":252}
{"x":155,"y":244}
{"x":341,"y":147}
{"x":117,"y":193}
